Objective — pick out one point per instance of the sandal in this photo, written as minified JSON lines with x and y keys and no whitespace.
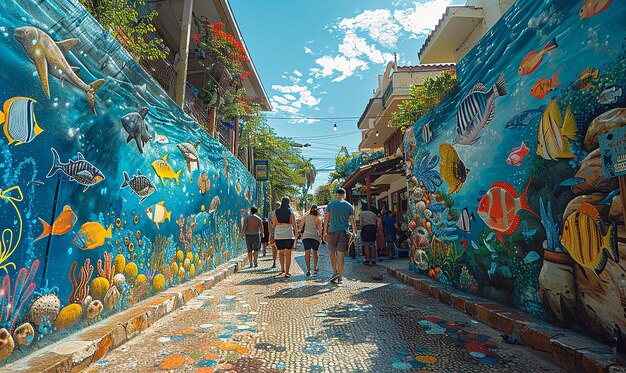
{"x":287,"y":275}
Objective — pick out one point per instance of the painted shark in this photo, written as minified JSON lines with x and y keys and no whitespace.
{"x":49,"y":58}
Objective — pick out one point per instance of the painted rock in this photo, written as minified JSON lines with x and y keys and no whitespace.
{"x":603,"y":123}
{"x":158,"y":282}
{"x":120,"y":263}
{"x":594,"y":199}
{"x":557,"y":289}
{"x":68,"y":316}
{"x":99,"y":287}
{"x":118,"y":280}
{"x":24,"y":334}
{"x":111,"y":298}
{"x":6,"y":344}
{"x":616,"y":213}
{"x":130,"y":272}
{"x":94,"y":309}
{"x":590,"y":169}
{"x":44,"y":308}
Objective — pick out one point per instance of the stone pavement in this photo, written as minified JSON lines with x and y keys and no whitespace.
{"x":256,"y":322}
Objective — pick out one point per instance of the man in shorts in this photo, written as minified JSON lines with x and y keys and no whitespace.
{"x":367,"y":220}
{"x":339,"y":218}
{"x":270,"y":217}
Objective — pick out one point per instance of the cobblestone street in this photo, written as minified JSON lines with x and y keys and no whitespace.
{"x":256,"y":322}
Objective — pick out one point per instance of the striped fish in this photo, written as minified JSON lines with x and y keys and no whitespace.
{"x":427,"y":134}
{"x":585,"y":239}
{"x":465,"y":220}
{"x":18,"y":116}
{"x":138,"y":184}
{"x":476,"y":110}
{"x":79,"y":170}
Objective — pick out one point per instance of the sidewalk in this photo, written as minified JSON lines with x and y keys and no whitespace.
{"x":569,"y":349}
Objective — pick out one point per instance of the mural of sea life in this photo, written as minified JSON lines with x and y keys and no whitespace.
{"x":137,"y":128}
{"x":92,"y":235}
{"x":525,"y":119}
{"x":63,"y":223}
{"x":586,"y":77}
{"x":7,"y":247}
{"x":79,"y":170}
{"x":610,"y":95}
{"x":238,"y":188}
{"x":592,"y":7}
{"x":13,"y":296}
{"x":139,"y":184}
{"x":160,"y":139}
{"x":80,"y":286}
{"x":215,"y":203}
{"x":190,"y":153}
{"x":476,"y":110}
{"x":427,"y":133}
{"x":158,"y":213}
{"x":20,"y":124}
{"x":164,"y":170}
{"x":533,"y":59}
{"x":204,"y":184}
{"x":465,"y":220}
{"x":424,"y":171}
{"x":544,"y":86}
{"x":555,"y":133}
{"x":248,"y":195}
{"x":226,"y":171}
{"x":527,"y":233}
{"x":452,"y":168}
{"x":517,"y":155}
{"x":49,"y":58}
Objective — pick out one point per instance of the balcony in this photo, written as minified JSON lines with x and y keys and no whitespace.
{"x":391,"y":90}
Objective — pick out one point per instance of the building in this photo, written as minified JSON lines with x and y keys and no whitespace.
{"x":460,"y":29}
{"x":182,"y":78}
{"x":382,"y":183}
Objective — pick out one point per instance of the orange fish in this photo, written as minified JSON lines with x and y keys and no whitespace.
{"x":532,"y":60}
{"x":544,"y":86}
{"x":584,"y":82}
{"x":64,"y":222}
{"x":499,"y":208}
{"x":592,"y":7}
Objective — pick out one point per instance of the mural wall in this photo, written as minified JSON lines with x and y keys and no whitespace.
{"x":508,"y":200}
{"x":109,"y":193}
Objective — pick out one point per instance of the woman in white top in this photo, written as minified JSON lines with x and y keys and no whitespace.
{"x":284,"y":223}
{"x":311,"y":237}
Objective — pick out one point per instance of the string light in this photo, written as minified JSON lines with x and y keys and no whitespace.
{"x":377,"y":133}
{"x":335,"y":127}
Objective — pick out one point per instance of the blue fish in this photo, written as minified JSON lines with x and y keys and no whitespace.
{"x":436,"y":207}
{"x":492,"y":269}
{"x":525,"y":118}
{"x":609,"y":199}
{"x":572,"y":181}
{"x":531,"y":257}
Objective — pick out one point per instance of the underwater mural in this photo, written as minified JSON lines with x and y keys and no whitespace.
{"x":507,"y":194}
{"x":109,"y":193}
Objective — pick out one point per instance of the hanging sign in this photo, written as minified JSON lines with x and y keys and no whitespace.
{"x":261,"y":170}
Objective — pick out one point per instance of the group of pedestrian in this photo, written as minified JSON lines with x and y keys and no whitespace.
{"x":377,"y":233}
{"x":280,"y":232}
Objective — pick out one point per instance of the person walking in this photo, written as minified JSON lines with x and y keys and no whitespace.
{"x":285,"y":233}
{"x":266,"y":235}
{"x":253,"y":231}
{"x":272,"y":242}
{"x":367,"y":222}
{"x":380,"y":234}
{"x":391,"y":229}
{"x":339,"y":218}
{"x":311,"y":237}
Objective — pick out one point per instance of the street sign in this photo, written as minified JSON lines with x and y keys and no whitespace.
{"x":261,"y":170}
{"x":613,"y":152}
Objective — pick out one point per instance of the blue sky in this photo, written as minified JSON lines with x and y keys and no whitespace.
{"x":321,"y":59}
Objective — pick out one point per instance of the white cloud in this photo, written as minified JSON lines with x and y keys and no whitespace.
{"x":289,"y":97}
{"x":297,"y":73}
{"x":356,"y":46}
{"x":280,"y":100}
{"x":308,"y":50}
{"x":378,"y":23}
{"x":309,"y":81}
{"x":345,"y":66}
{"x":294,"y":98}
{"x":422,"y":18}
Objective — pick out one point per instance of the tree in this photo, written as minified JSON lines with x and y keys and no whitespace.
{"x":325,"y":193}
{"x":122,"y":19}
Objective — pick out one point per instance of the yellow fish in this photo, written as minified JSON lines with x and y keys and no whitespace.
{"x":92,"y":235}
{"x":20,"y":125}
{"x":585,"y":240}
{"x":64,"y":222}
{"x":452,"y":168}
{"x":554,"y":133}
{"x":164,"y":170}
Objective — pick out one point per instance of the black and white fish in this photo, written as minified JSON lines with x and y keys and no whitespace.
{"x":476,"y":110}
{"x":427,"y":134}
{"x":20,"y":125}
{"x":137,"y":128}
{"x":79,"y":170}
{"x":610,"y":95}
{"x":160,"y":139}
{"x":526,"y":118}
{"x":190,"y":153}
{"x":138,"y":184}
{"x":465,"y":220}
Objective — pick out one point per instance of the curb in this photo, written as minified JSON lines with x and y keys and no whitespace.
{"x":83,"y":348}
{"x":569,"y":349}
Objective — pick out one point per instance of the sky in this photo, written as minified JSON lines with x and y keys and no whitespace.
{"x":319,"y":62}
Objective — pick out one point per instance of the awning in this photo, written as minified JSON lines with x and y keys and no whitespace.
{"x":383,"y":166}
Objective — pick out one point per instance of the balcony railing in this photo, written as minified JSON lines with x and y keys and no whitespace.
{"x":388,"y":92}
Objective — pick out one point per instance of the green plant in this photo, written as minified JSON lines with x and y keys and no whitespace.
{"x":423,"y":99}
{"x":452,"y":263}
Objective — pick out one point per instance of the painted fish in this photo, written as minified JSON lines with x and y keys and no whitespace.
{"x":609,"y":198}
{"x":544,"y":86}
{"x":427,"y":134}
{"x":138,"y":184}
{"x":164,"y":170}
{"x":592,"y":7}
{"x":190,"y":153}
{"x":527,"y":233}
{"x":517,"y":155}
{"x":158,"y":213}
{"x":476,"y":110}
{"x":137,"y":128}
{"x":452,"y":169}
{"x":465,"y":220}
{"x":36,"y":183}
{"x":554,"y":133}
{"x":533,"y":59}
{"x":49,"y":58}
{"x":92,"y":235}
{"x":161,"y":139}
{"x":63,"y":224}
{"x":584,"y":82}
{"x":226,"y":172}
{"x":248,"y":195}
{"x":587,"y":241}
{"x":610,"y":95}
{"x":204,"y":184}
{"x":499,"y":208}
{"x":80,"y":170}
{"x":20,"y":125}
{"x":532,"y":256}
{"x":525,"y":118}
{"x":572,"y":181}
{"x":215,"y":203}
{"x":238,"y":187}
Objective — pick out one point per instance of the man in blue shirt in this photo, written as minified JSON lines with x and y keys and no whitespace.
{"x":391,"y":229}
{"x":340,"y":216}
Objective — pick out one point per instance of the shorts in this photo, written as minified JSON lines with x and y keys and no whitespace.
{"x":338,"y":241}
{"x":368,"y":235}
{"x":285,"y":244}
{"x":253,"y":242}
{"x":265,"y":238}
{"x":310,"y":244}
